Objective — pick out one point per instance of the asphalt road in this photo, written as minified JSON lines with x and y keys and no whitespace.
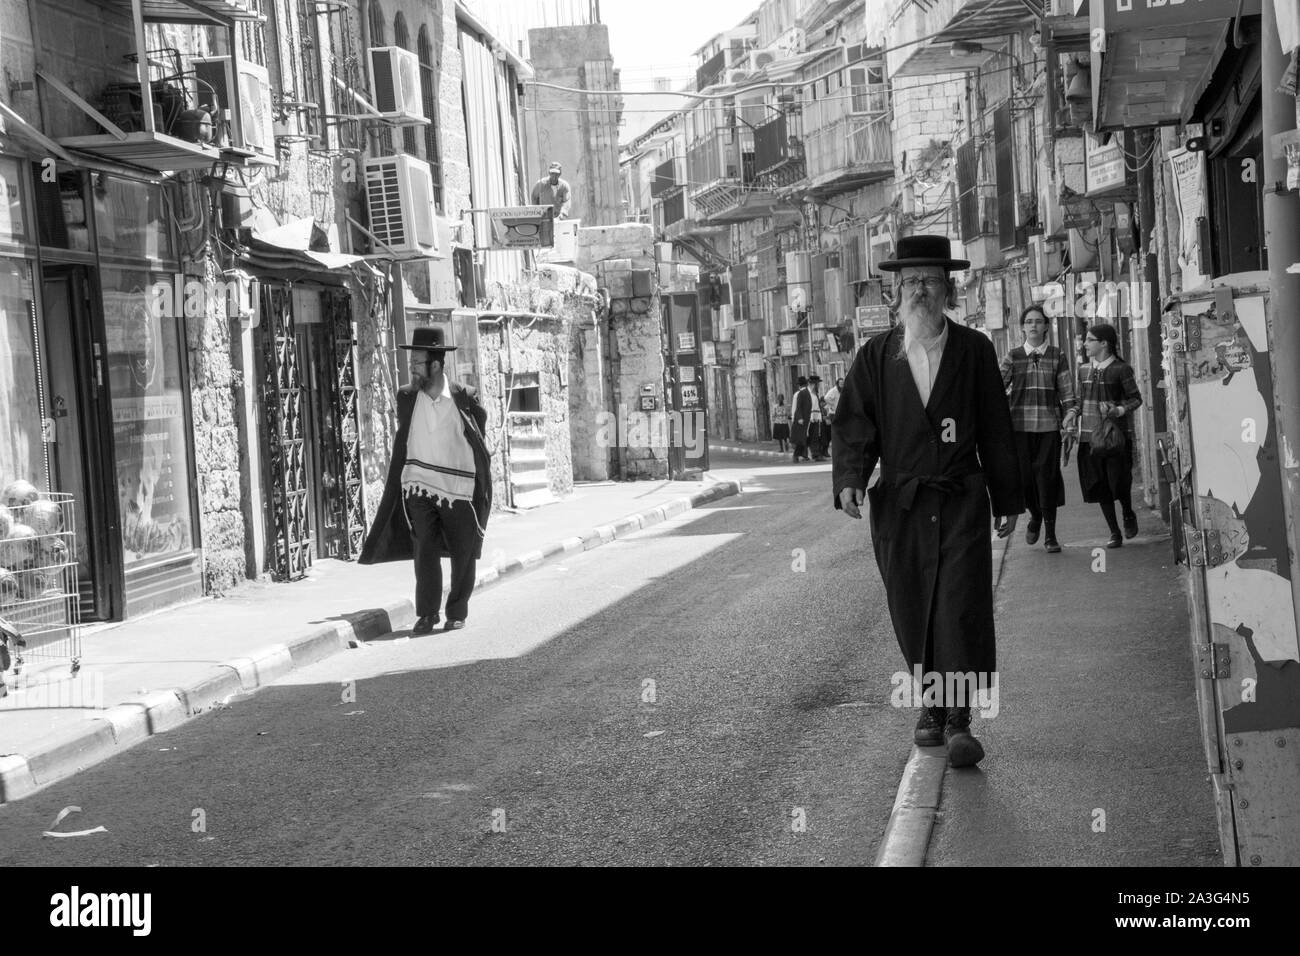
{"x":680,"y":696}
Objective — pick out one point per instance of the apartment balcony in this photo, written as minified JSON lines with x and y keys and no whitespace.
{"x":779,"y":151}
{"x":721,"y":170}
{"x":853,"y":151}
{"x":945,"y":22}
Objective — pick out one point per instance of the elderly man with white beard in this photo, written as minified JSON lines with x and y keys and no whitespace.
{"x":926,"y":401}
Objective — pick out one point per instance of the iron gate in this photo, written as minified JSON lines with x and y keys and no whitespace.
{"x":338,"y":317}
{"x":282,"y":400}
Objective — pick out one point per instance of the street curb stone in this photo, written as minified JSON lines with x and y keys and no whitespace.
{"x":74,"y":748}
{"x":751,"y":452}
{"x":907,"y":835}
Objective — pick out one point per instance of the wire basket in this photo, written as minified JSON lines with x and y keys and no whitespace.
{"x":39,"y":590}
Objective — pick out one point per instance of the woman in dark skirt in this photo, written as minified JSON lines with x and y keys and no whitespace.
{"x":781,"y":422}
{"x":1108,"y":389}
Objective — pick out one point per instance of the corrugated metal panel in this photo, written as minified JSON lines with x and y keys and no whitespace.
{"x":493,"y":157}
{"x":968,"y":206}
{"x":1004,"y":164}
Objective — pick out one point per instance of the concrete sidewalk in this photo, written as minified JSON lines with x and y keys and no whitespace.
{"x":1095,"y":755}
{"x":145,"y":676}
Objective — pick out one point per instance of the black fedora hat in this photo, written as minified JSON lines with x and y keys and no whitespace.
{"x":923,"y":251}
{"x":428,"y":340}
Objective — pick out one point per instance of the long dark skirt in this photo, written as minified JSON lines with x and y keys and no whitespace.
{"x":781,"y":431}
{"x":1106,"y":479}
{"x":1039,"y":454}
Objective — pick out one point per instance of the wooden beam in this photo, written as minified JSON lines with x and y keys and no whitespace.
{"x":142,"y":66}
{"x":82,"y":105}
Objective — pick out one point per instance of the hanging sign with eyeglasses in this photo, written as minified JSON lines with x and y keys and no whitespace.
{"x":518,"y":227}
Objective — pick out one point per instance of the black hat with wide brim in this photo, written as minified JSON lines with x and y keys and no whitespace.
{"x":429,"y":340}
{"x":923,"y":251}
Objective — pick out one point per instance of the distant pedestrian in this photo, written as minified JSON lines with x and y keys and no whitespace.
{"x":1040,"y":388}
{"x":439,"y":489}
{"x":800,"y":419}
{"x":925,"y":400}
{"x":819,"y":438}
{"x":553,"y":191}
{"x":832,"y":399}
{"x":781,"y":423}
{"x":1108,"y":389}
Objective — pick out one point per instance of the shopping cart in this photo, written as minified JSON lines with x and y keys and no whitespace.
{"x":39,"y":592}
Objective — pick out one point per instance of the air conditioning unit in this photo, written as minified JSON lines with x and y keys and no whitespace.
{"x":739,"y":75}
{"x":798,"y":268}
{"x":252,"y":125}
{"x":399,"y":192}
{"x":769,"y":345}
{"x":759,"y":59}
{"x":396,"y":77}
{"x":880,"y":247}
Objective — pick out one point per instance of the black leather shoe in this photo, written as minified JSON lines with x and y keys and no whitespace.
{"x":425,"y":625}
{"x":453,"y":625}
{"x":929,"y":728}
{"x":1131,"y":526}
{"x":1052,"y":545}
{"x":963,"y":749}
{"x":1115,"y":541}
{"x":1031,"y":530}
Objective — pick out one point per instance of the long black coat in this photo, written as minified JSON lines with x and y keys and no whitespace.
{"x":390,"y":536}
{"x":801,"y":417}
{"x":942,"y":466}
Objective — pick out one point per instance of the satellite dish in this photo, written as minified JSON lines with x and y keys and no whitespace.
{"x":798,"y":299}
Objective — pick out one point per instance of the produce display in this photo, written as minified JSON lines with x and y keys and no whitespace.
{"x":35,"y":548}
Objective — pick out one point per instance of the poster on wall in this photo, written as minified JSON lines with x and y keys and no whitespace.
{"x":1189,"y":193}
{"x":149,"y":428}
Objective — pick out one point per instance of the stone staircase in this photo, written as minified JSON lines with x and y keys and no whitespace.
{"x":529,"y":483}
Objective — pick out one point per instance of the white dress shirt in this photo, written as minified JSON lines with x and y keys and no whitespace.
{"x":923,"y":356}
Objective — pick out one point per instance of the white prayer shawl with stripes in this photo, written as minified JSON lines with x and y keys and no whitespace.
{"x":439,"y":459}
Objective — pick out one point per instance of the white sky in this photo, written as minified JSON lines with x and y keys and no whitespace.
{"x":647,"y":38}
{"x":650,"y":38}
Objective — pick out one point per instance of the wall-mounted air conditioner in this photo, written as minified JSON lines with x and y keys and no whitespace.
{"x":396,"y":74}
{"x":769,"y":345}
{"x":880,"y":247}
{"x":251,"y":126}
{"x":399,"y":192}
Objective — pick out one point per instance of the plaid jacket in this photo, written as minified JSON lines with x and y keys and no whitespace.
{"x":1115,"y":383}
{"x":1039,"y":392}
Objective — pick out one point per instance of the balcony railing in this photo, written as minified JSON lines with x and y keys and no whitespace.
{"x":777,"y":145}
{"x":851,"y":142}
{"x":724,"y":154}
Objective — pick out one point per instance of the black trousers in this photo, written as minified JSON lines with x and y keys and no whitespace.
{"x":432,"y":527}
{"x":1039,"y":454}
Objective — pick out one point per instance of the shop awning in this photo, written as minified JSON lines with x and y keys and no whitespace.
{"x":287,"y":248}
{"x":1157,"y":60}
{"x":973,"y":20}
{"x":35,"y":142}
{"x":190,"y":11}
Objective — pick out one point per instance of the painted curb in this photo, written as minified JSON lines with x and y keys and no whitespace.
{"x":72,"y":749}
{"x":752,"y":452}
{"x":907,"y":837}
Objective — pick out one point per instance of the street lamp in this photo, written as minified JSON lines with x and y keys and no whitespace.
{"x":968,"y":48}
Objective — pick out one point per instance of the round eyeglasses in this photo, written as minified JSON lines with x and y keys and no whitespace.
{"x":912,"y":283}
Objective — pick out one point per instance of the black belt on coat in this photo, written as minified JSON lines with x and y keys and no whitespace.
{"x":909,"y":483}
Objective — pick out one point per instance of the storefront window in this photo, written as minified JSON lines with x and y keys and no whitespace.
{"x":131,"y":219}
{"x":150,"y":435}
{"x":22,"y":453}
{"x":13,"y":227}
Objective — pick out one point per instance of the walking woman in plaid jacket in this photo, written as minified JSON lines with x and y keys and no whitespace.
{"x":1109,"y":390}
{"x":1040,"y":390}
